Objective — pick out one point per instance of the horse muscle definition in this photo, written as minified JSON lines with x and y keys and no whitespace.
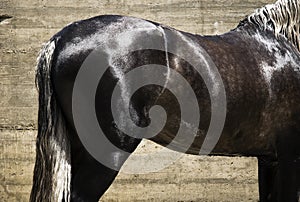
{"x":258,"y":63}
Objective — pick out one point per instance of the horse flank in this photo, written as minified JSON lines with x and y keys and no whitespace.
{"x":282,"y":17}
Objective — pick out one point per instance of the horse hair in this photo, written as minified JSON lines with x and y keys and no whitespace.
{"x":282,"y":17}
{"x":52,"y":171}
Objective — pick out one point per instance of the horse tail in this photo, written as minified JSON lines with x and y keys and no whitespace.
{"x":52,"y":171}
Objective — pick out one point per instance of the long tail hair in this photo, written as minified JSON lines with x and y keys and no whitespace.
{"x":52,"y":171}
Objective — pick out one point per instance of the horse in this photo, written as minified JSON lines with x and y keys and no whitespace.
{"x":259,"y":66}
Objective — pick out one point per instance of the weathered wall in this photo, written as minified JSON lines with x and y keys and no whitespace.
{"x":34,"y":22}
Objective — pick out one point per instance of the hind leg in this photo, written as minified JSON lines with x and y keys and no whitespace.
{"x":90,"y":179}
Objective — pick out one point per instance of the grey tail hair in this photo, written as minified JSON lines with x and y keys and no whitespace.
{"x":283,"y":17}
{"x":52,"y":171}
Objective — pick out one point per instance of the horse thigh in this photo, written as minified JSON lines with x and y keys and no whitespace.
{"x":91,"y":180}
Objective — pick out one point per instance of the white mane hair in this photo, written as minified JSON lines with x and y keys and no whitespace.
{"x":282,"y":17}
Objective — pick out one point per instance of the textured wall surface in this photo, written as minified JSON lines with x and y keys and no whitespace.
{"x":33,"y":22}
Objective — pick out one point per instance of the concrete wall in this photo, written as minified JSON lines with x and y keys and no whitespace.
{"x":34,"y":22}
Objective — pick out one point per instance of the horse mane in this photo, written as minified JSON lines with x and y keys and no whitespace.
{"x":282,"y":17}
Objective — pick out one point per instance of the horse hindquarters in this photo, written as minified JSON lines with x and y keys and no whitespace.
{"x":90,"y":178}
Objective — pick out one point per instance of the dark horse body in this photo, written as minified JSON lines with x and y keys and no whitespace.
{"x":261,"y":76}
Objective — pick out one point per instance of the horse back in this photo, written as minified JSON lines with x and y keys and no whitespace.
{"x":260,"y":74}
